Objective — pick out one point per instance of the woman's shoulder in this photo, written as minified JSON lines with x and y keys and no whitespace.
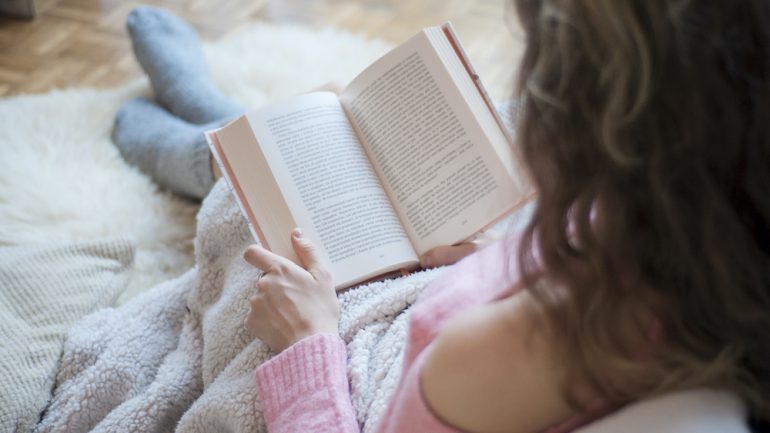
{"x":490,"y":370}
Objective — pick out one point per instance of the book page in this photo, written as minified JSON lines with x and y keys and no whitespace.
{"x":330,"y":186}
{"x":438,"y":164}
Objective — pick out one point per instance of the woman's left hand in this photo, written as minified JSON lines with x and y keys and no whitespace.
{"x":292,"y":302}
{"x":446,"y":255}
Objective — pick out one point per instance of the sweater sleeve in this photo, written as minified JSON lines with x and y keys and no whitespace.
{"x":305,"y":388}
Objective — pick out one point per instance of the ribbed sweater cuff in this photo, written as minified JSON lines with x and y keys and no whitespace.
{"x":315,"y":363}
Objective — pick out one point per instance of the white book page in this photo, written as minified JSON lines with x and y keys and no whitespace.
{"x":437,"y":162}
{"x":334,"y":194}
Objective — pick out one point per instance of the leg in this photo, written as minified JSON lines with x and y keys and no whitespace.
{"x":171,"y":151}
{"x":171,"y":56}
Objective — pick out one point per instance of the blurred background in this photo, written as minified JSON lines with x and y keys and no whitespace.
{"x":47,"y":44}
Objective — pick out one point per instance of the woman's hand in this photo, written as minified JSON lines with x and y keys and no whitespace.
{"x":291,"y":302}
{"x":451,"y":254}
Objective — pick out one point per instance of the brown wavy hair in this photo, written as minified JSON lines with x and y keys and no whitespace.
{"x":644,"y":126}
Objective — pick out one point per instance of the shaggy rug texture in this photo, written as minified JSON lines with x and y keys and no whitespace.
{"x":62,"y":179}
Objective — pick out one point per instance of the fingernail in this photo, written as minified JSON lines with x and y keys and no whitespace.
{"x":297,"y":232}
{"x":428,"y":261}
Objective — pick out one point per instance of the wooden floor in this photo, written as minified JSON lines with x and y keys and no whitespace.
{"x":77,"y":43}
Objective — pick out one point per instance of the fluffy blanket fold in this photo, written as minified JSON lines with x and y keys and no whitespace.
{"x":178,"y":357}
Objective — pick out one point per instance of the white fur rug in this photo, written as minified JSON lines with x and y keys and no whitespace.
{"x":61,"y":178}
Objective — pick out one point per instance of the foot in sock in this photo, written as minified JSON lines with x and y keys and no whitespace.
{"x":171,"y":151}
{"x":170,"y":54}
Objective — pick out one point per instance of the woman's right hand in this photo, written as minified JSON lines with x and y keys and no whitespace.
{"x":291,"y":301}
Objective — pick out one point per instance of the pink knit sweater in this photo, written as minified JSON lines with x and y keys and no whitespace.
{"x":305,"y":388}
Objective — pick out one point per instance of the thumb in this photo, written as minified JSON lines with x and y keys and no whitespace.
{"x":306,"y":251}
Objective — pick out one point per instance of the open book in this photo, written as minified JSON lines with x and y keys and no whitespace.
{"x":409,"y":156}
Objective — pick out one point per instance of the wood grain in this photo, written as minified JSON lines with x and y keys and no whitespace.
{"x":76,"y":43}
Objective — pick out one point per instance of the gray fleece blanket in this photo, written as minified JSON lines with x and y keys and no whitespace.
{"x":178,"y":358}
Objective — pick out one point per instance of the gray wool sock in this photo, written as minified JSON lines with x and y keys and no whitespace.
{"x":171,"y":151}
{"x":170,"y":54}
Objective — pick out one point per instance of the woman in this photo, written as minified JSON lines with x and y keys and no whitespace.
{"x":644,"y":270}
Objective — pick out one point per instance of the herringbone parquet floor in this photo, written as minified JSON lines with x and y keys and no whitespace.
{"x":77,"y":43}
